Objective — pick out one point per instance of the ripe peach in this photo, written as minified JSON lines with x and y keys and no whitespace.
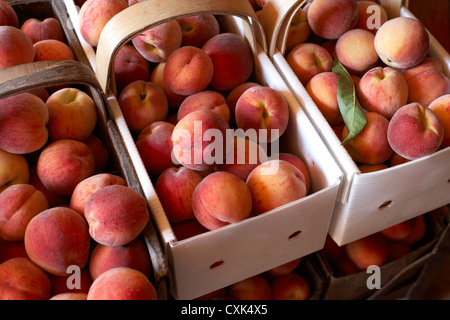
{"x":330,"y":19}
{"x":441,"y":106}
{"x":23,"y":123}
{"x":157,"y":43}
{"x":14,"y":169}
{"x":427,"y":64}
{"x":371,"y":16}
{"x":188,"y":70}
{"x":285,"y":268}
{"x":418,"y":231}
{"x":100,"y":152}
{"x":187,"y":228}
{"x":48,"y":28}
{"x":402,"y":42}
{"x":21,"y":279}
{"x":69,"y":296}
{"x":87,"y":187}
{"x":51,"y":49}
{"x":309,"y":59}
{"x":8,"y":17}
{"x":54,"y":199}
{"x":56,"y":239}
{"x":397,"y":159}
{"x":298,"y":31}
{"x":122,"y":283}
{"x":299,"y":164}
{"x":382,"y":90}
{"x":220,"y":199}
{"x":332,"y":251}
{"x":371,"y":145}
{"x":232,"y":60}
{"x":234,"y":95}
{"x":291,"y":286}
{"x":253,"y":288}
{"x":12,"y":249}
{"x":364,"y":167}
{"x":345,"y":267}
{"x":427,"y":86}
{"x":415,"y":131}
{"x":208,"y":99}
{"x":198,"y":29}
{"x":357,"y":61}
{"x":157,"y":76}
{"x":16,"y":47}
{"x":275,"y":183}
{"x":19,"y":203}
{"x":129,"y":66}
{"x":174,"y":188}
{"x":398,"y":231}
{"x":63,"y":164}
{"x":116,"y":215}
{"x":367,"y":251}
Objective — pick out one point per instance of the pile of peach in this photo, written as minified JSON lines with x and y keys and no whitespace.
{"x":402,"y":91}
{"x":185,"y":89}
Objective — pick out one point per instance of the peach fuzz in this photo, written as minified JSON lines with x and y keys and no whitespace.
{"x":16,"y":47}
{"x":427,"y":86}
{"x":48,"y":28}
{"x":298,"y":31}
{"x":309,"y":59}
{"x":371,"y":16}
{"x":23,"y":126}
{"x":220,"y":199}
{"x":253,"y":288}
{"x":398,"y":231}
{"x":175,"y":187}
{"x":14,"y":169}
{"x":208,"y":99}
{"x":402,"y":42}
{"x":67,"y":283}
{"x":100,"y":152}
{"x":19,"y":203}
{"x":415,"y":131}
{"x":21,"y":279}
{"x":188,"y":70}
{"x":191,"y":148}
{"x":116,"y":215}
{"x":157,"y":76}
{"x":63,"y":164}
{"x":93,"y":16}
{"x":273,"y":184}
{"x":427,"y":64}
{"x":69,"y":296}
{"x":154,"y":144}
{"x":323,"y":91}
{"x":418,"y":232}
{"x":157,"y":43}
{"x":441,"y":107}
{"x":371,"y":145}
{"x":233,"y":96}
{"x":330,"y":19}
{"x":367,"y":251}
{"x":198,"y":29}
{"x":56,"y":239}
{"x":382,"y":90}
{"x":129,"y":66}
{"x":122,"y":283}
{"x":132,"y":255}
{"x":87,"y":187}
{"x":291,"y":286}
{"x":356,"y":51}
{"x":8,"y":17}
{"x":232,"y":60}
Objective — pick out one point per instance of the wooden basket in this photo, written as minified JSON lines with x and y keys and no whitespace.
{"x":367,"y":202}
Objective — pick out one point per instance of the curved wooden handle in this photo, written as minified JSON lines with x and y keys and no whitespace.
{"x":143,"y":15}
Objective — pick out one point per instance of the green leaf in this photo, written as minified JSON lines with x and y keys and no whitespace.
{"x":352,"y":113}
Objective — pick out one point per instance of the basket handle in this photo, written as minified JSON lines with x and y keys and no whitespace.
{"x":145,"y":14}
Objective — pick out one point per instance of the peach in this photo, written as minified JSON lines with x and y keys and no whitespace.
{"x":93,"y":16}
{"x":129,"y":66}
{"x":71,"y":282}
{"x":72,"y":114}
{"x":12,"y":249}
{"x":122,"y":283}
{"x":285,"y":268}
{"x":132,"y":255}
{"x":415,"y":131}
{"x":157,"y":43}
{"x":397,"y":159}
{"x":345,"y":267}
{"x":371,"y":145}
{"x":23,"y":125}
{"x":398,"y":231}
{"x":397,"y":250}
{"x":382,"y":90}
{"x":330,"y":19}
{"x":175,"y":187}
{"x":53,"y":198}
{"x":364,"y":167}
{"x":154,"y":144}
{"x":427,"y":86}
{"x":100,"y":152}
{"x":188,"y":70}
{"x":234,"y":95}
{"x":19,"y":203}
{"x":418,"y":232}
{"x":14,"y":169}
{"x":402,"y":42}
{"x":309,"y":59}
{"x":87,"y":187}
{"x":48,"y":28}
{"x":116,"y":215}
{"x":264,"y":110}
{"x":357,"y":61}
{"x":220,"y":199}
{"x":208,"y":99}
{"x":63,"y":164}
{"x":427,"y":64}
{"x":253,"y":288}
{"x":187,"y":228}
{"x":143,"y":103}
{"x":56,"y":239}
{"x":441,"y":107}
{"x":298,"y":31}
{"x":199,"y":140}
{"x":16,"y":47}
{"x":157,"y":76}
{"x":332,"y":251}
{"x":273,"y":184}
{"x":198,"y":29}
{"x":50,"y":49}
{"x":41,"y":93}
{"x":367,"y":251}
{"x":232,"y":60}
{"x":371,"y":16}
{"x":323,"y":91}
{"x":69,"y":296}
{"x":291,"y":286}
{"x":8,"y":17}
{"x":21,"y":279}
{"x":299,"y":164}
